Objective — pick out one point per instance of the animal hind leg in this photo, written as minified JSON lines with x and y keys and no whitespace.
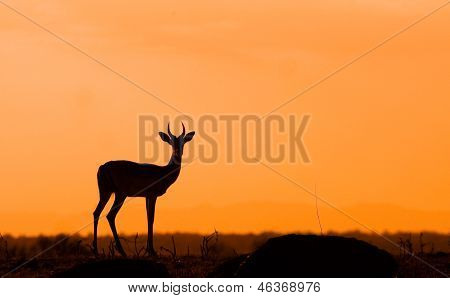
{"x":150,"y":204}
{"x":118,"y":202}
{"x":104,"y":198}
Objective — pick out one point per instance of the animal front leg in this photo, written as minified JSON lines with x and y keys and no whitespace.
{"x":150,"y":204}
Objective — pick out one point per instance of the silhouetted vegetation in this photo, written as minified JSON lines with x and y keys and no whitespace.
{"x":195,"y":255}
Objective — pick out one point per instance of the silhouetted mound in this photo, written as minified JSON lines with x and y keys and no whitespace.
{"x":314,"y":256}
{"x":117,"y":268}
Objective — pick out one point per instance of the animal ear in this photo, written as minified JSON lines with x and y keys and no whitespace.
{"x":189,"y":136}
{"x":165,"y":137}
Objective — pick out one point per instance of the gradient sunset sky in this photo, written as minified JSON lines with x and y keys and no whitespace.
{"x":378,"y":138}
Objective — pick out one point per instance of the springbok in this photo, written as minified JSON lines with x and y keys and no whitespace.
{"x":130,"y":179}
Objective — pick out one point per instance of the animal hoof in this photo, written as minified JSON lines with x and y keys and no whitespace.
{"x":123,"y":254}
{"x":94,"y":250}
{"x":151,"y":252}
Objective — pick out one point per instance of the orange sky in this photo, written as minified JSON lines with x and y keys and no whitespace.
{"x":378,"y":138}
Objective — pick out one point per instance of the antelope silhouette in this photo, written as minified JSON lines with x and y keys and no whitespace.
{"x":130,"y":179}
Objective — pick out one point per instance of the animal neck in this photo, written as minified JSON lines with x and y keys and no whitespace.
{"x":175,"y":161}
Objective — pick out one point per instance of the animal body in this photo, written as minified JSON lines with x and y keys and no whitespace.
{"x":130,"y":179}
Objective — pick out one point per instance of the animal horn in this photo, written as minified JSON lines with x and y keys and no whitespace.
{"x":168,"y":130}
{"x":184,"y":130}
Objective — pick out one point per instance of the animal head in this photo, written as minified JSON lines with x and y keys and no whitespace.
{"x":177,"y":143}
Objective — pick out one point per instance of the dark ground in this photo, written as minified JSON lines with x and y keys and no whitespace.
{"x":192,"y":255}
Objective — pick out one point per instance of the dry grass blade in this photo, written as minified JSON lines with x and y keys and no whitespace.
{"x":173,"y":252}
